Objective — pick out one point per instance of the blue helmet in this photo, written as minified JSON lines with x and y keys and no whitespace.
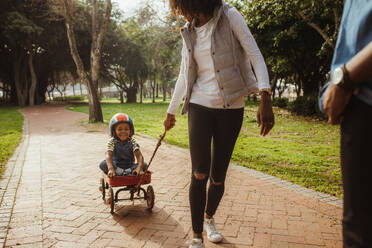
{"x":121,"y":118}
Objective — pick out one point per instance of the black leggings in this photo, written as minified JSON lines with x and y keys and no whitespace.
{"x":222,"y":127}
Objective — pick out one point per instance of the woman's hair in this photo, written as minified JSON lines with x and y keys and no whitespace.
{"x":191,"y":7}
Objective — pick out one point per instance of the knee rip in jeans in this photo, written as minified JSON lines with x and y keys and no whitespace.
{"x":200,"y":176}
{"x":216,"y":183}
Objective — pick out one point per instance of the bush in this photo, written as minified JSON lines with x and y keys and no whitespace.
{"x":280,"y":102}
{"x":306,"y":106}
{"x":68,"y":98}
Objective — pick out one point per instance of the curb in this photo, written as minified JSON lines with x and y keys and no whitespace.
{"x":326,"y":198}
{"x":10,"y":181}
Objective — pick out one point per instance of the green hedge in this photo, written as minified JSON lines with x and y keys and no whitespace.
{"x":306,"y":106}
{"x":69,"y":98}
{"x":281,"y":102}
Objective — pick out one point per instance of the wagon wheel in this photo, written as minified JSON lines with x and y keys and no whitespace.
{"x":150,"y":197}
{"x":102,"y":188}
{"x":111,"y":199}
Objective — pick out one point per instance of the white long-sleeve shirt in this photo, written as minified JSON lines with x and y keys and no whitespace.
{"x":205,"y":91}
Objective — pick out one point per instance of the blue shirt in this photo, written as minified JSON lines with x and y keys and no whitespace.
{"x":355,"y":33}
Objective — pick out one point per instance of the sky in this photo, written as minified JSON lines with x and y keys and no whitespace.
{"x":130,"y":6}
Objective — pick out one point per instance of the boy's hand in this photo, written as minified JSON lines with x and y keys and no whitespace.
{"x":111,"y":173}
{"x":138,"y":171}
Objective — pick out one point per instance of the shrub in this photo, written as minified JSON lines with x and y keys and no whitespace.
{"x":280,"y":102}
{"x":306,"y":106}
{"x":68,"y":98}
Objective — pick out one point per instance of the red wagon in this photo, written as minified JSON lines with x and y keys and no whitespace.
{"x":127,"y":183}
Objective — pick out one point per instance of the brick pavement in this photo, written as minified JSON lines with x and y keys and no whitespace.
{"x":50,"y":198}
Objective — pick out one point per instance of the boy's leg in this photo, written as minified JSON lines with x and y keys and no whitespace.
{"x":134,"y":166}
{"x":103,"y":166}
{"x":119,"y":171}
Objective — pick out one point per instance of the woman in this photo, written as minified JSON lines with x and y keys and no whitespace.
{"x":218,"y":54}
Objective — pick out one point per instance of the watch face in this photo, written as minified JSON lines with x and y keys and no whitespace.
{"x":337,"y":76}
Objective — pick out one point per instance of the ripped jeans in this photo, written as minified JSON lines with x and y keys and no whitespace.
{"x":212,"y":137}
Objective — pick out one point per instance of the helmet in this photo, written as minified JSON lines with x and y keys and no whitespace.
{"x":120,"y":118}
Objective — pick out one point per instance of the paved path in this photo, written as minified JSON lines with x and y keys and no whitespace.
{"x":50,"y":198}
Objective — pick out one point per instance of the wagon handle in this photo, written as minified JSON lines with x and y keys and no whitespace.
{"x":153,"y":155}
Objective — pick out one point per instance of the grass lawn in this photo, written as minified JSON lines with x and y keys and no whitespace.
{"x":11,"y":122}
{"x":300,"y":150}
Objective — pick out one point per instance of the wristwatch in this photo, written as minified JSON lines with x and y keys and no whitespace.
{"x":340,"y":77}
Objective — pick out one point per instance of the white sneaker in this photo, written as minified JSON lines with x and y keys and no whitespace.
{"x":213,"y":234}
{"x":196,"y":243}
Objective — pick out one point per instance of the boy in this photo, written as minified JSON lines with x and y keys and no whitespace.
{"x":122,"y":148}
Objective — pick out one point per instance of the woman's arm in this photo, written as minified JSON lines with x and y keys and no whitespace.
{"x":180,"y":88}
{"x":178,"y":94}
{"x":247,"y":41}
{"x":265,"y":115}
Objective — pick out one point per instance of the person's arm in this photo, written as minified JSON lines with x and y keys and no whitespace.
{"x":335,"y":98}
{"x":139,"y":158}
{"x":265,"y":115}
{"x":248,"y":43}
{"x":178,"y":94}
{"x":360,"y":66}
{"x":110,"y":167}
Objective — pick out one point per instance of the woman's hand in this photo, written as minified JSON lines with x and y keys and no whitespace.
{"x":169,"y":122}
{"x":265,"y":115}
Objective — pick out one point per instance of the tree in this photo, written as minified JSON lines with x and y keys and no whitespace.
{"x":20,"y":32}
{"x":296,"y":38}
{"x":124,"y":63}
{"x":99,"y":26}
{"x":31,"y":48}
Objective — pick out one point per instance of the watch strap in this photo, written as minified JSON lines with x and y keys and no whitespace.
{"x":347,"y":84}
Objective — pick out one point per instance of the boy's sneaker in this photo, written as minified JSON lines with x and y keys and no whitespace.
{"x":213,"y":234}
{"x":196,"y":243}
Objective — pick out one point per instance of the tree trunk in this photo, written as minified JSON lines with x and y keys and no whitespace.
{"x":164,"y":93}
{"x":64,"y":89}
{"x":95,"y":110}
{"x":157,"y":90}
{"x":48,"y":92}
{"x":73,"y":88}
{"x":141,"y":92}
{"x":273,"y":85}
{"x":20,"y":84}
{"x":32,"y":90}
{"x":98,"y":34}
{"x":100,"y":93}
{"x":121,"y":93}
{"x":153,"y":89}
{"x":81,"y":90}
{"x":131,"y":95}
